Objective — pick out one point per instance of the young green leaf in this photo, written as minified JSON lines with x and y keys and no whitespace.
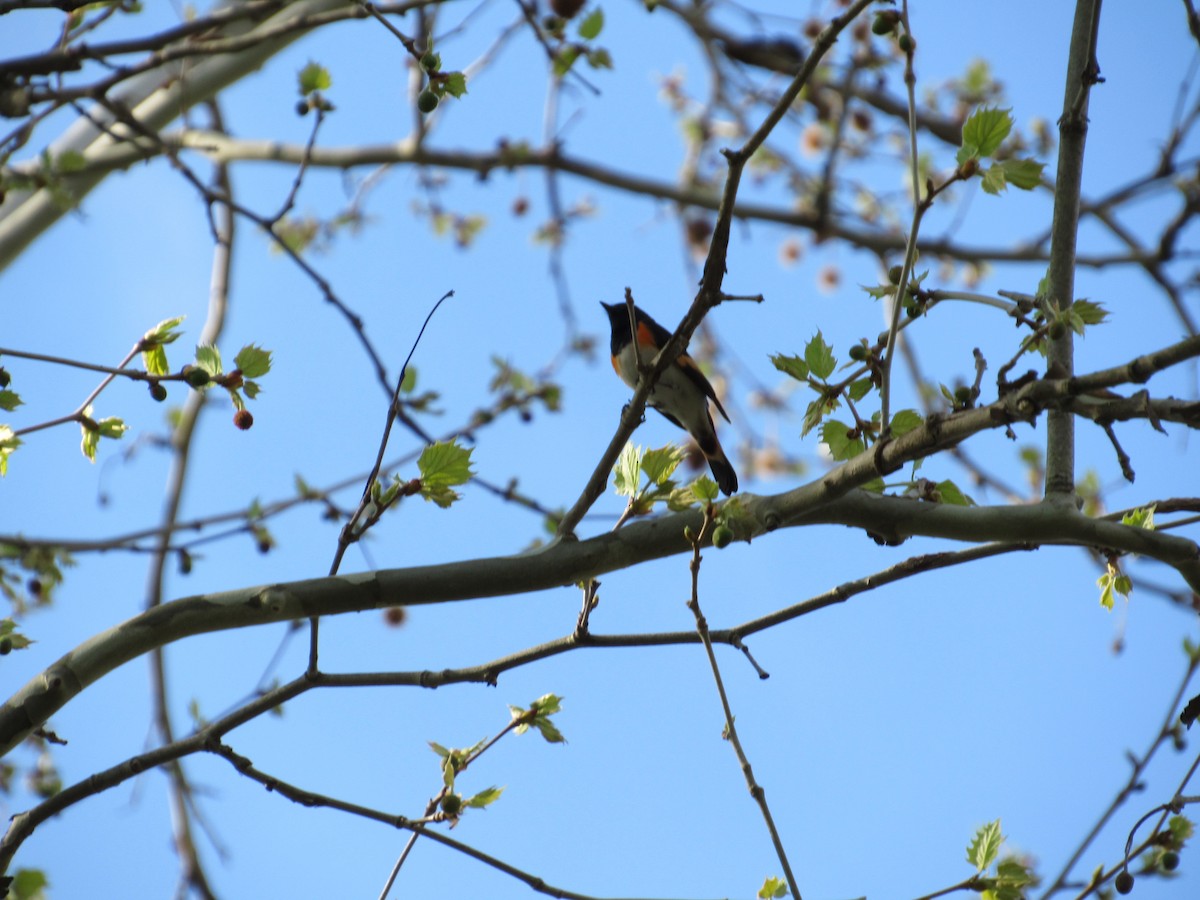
{"x":599,"y":58}
{"x":1111,"y":583}
{"x":993,"y":181}
{"x":154,"y":357}
{"x":985,"y":845}
{"x":443,"y":465}
{"x":564,"y":59}
{"x":549,"y":731}
{"x":1180,"y":828}
{"x":455,"y":84}
{"x":16,"y":640}
{"x":69,"y":161}
{"x":791,"y":365}
{"x":627,"y":471}
{"x":819,"y":356}
{"x":1025,"y":174}
{"x":773,"y":888}
{"x":817,"y":410}
{"x":950,"y":493}
{"x":659,"y":465}
{"x":986,"y":129}
{"x":1083,"y":313}
{"x":905,"y":421}
{"x":314,"y":77}
{"x":836,"y":436}
{"x":8,"y":443}
{"x":91,"y":439}
{"x":485,"y":798}
{"x":859,"y":389}
{"x":253,"y":361}
{"x":878,"y":292}
{"x":208,"y":358}
{"x":592,"y":25}
{"x":30,"y":883}
{"x":112,"y":427}
{"x":547,"y":704}
{"x":704,"y":489}
{"x":1142,"y":517}
{"x":10,"y":400}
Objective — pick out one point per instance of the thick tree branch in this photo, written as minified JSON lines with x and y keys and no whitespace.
{"x":1082,"y":73}
{"x":827,"y":501}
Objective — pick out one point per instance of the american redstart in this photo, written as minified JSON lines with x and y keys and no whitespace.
{"x":681,"y":392}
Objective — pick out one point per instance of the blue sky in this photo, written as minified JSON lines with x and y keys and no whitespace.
{"x":892,"y":726}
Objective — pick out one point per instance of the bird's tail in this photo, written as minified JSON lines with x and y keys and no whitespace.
{"x":722,"y":468}
{"x":723,"y":472}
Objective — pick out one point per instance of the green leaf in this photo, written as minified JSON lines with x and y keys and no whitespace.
{"x":541,"y":709}
{"x":905,"y":421}
{"x":485,"y":797}
{"x":564,"y":59}
{"x":439,"y":749}
{"x":165,"y":332}
{"x":859,"y":389}
{"x":682,"y":498}
{"x":773,"y":888}
{"x":253,"y":361}
{"x":1025,"y":174}
{"x":1012,"y":872}
{"x":599,"y":58}
{"x":986,"y":129}
{"x":704,"y":489}
{"x":8,"y":443}
{"x":816,"y":411}
{"x":91,"y":440}
{"x":112,"y":427}
{"x":547,"y":704}
{"x":9,"y":400}
{"x":1083,"y":313}
{"x":443,"y":465}
{"x":1142,"y":517}
{"x":29,"y":884}
{"x":208,"y":358}
{"x":836,"y":436}
{"x":880,"y":291}
{"x":791,"y":365}
{"x":1106,"y":583}
{"x":819,"y":356}
{"x":16,"y":640}
{"x":155,"y":360}
{"x":549,"y":731}
{"x":455,"y":84}
{"x":627,"y":470}
{"x":69,"y":161}
{"x":985,"y":845}
{"x":659,"y":465}
{"x":952,"y":495}
{"x":154,"y":356}
{"x":591,"y":25}
{"x":1181,"y":828}
{"x":994,"y":181}
{"x":314,"y":77}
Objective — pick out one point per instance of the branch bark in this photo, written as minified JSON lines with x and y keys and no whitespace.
{"x":830,"y":499}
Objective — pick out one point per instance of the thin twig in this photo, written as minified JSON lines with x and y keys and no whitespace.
{"x":730,"y":733}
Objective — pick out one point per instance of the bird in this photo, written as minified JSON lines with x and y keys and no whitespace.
{"x":681,"y":393}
